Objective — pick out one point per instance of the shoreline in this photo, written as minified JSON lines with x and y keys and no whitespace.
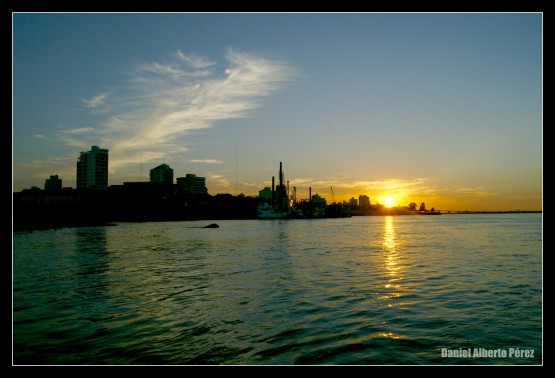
{"x":110,"y":223}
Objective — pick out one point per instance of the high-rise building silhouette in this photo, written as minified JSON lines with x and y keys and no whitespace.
{"x":92,"y":169}
{"x":363,"y":201}
{"x":162,"y":174}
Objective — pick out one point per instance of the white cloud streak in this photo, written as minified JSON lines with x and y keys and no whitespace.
{"x":163,"y":70}
{"x":96,"y":101}
{"x":478,"y":191}
{"x":82,"y":130}
{"x":206,"y":161}
{"x":194,"y":61}
{"x":81,"y":143}
{"x":77,"y":137}
{"x":348,"y":183}
{"x":164,"y":101}
{"x":219,"y":180}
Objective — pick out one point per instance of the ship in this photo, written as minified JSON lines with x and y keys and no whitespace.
{"x":266,"y":211}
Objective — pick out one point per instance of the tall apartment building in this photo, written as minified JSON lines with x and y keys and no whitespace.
{"x":363,"y":201}
{"x":191,"y":185}
{"x":162,"y":174}
{"x":92,"y":169}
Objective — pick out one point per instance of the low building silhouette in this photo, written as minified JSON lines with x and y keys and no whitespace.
{"x":53,"y":183}
{"x":161,"y":174}
{"x":191,"y":185}
{"x":265,"y":194}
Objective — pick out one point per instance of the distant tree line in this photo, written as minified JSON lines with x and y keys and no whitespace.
{"x":412,"y":206}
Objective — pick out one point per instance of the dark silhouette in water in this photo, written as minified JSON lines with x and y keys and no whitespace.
{"x":212,"y":225}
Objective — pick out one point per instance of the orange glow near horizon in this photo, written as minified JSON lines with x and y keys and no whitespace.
{"x":454,"y":200}
{"x":388,"y":201}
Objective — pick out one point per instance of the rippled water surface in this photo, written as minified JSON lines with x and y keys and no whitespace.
{"x":363,"y":290}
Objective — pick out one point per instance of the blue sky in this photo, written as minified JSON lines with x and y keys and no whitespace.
{"x":439,"y":108}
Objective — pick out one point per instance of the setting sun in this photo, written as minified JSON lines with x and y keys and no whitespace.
{"x":388,"y":202}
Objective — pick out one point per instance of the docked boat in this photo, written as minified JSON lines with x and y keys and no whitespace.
{"x":429,"y":212}
{"x":266,"y":211}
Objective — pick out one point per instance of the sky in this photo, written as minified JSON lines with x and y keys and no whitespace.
{"x":440,"y":108}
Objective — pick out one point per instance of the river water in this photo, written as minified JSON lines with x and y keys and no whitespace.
{"x":368,"y":290}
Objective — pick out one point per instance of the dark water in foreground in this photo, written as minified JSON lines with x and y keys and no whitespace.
{"x":362,"y":290}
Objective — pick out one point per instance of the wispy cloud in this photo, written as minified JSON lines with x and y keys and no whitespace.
{"x":81,"y":130}
{"x":194,"y":61}
{"x":83,"y":144}
{"x":163,"y":69}
{"x":40,"y":136}
{"x":61,"y":165}
{"x":135,"y":159}
{"x":478,"y":191}
{"x":53,"y":162}
{"x":163,"y":101}
{"x":206,"y":161}
{"x":96,"y":100}
{"x":392,"y":184}
{"x":397,"y":185}
{"x":219,"y":180}
{"x":79,"y":137}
